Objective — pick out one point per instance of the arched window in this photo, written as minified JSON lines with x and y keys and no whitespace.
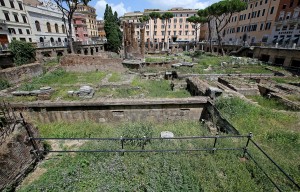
{"x":52,"y":40}
{"x":63,"y":28}
{"x":59,"y":40}
{"x":56,"y":28}
{"x":66,"y":40}
{"x":37,"y":26}
{"x":48,"y":27}
{"x":41,"y":39}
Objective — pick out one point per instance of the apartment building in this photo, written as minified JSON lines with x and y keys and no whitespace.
{"x":287,"y":24}
{"x":253,"y":24}
{"x":176,"y":28}
{"x":85,"y":23}
{"x":14,"y":22}
{"x":101,"y":32}
{"x":47,"y":23}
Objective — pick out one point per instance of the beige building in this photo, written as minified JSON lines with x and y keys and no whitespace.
{"x":255,"y":23}
{"x":91,"y":22}
{"x":178,"y":27}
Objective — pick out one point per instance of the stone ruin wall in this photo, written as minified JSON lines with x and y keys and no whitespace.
{"x":18,"y":74}
{"x":117,"y":111}
{"x":132,"y":48}
{"x":87,"y":63}
{"x":16,"y":159}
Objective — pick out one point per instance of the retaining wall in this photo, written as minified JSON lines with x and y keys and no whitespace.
{"x":158,"y":110}
{"x":87,"y":63}
{"x":18,"y":74}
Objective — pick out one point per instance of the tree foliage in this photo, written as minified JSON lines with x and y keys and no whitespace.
{"x":23,"y":52}
{"x":197,"y":20}
{"x":112,"y":30}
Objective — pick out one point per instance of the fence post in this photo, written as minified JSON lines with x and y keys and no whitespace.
{"x":122,"y":145}
{"x":35,"y":150}
{"x":246,"y":147}
{"x":215,"y":143}
{"x":144,"y":143}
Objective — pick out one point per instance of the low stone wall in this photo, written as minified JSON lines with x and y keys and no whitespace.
{"x":158,"y":110}
{"x":18,"y":74}
{"x":87,"y":63}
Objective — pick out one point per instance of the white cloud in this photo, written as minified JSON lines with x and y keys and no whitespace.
{"x":120,"y":8}
{"x":192,"y":4}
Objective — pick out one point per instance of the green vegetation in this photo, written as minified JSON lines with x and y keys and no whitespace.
{"x":143,"y":88}
{"x":277,"y":132}
{"x":115,"y":77}
{"x":4,"y":84}
{"x":286,"y":79}
{"x":269,"y":103}
{"x":194,"y":171}
{"x":23,"y":52}
{"x":112,"y":30}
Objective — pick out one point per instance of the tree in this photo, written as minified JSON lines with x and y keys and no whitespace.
{"x":23,"y":52}
{"x":154,"y":16}
{"x":196,"y":21}
{"x":68,"y":7}
{"x":222,"y":12}
{"x":166,"y":16}
{"x":112,"y":30}
{"x":206,"y":17}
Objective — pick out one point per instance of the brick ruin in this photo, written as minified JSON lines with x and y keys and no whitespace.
{"x":134,"y":49}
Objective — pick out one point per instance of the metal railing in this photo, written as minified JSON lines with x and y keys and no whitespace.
{"x":144,"y":140}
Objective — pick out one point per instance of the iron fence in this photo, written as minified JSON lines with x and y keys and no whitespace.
{"x":213,"y":148}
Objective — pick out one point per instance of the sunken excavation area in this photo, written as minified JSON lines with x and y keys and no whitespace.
{"x":155,"y":127}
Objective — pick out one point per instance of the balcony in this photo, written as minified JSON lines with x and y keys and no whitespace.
{"x":288,"y":21}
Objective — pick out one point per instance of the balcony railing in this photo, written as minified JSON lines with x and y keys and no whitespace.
{"x":288,"y":21}
{"x":51,"y":44}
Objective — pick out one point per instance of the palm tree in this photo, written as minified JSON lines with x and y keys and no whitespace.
{"x":166,"y":16}
{"x":153,"y":16}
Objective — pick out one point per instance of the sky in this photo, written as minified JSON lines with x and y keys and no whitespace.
{"x":123,"y":6}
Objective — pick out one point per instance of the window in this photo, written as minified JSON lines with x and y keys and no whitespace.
{"x":266,"y":1}
{"x":263,"y":13}
{"x":37,"y":26}
{"x":180,"y":32}
{"x":12,"y":4}
{"x":256,"y":4}
{"x":162,"y":26}
{"x":238,"y":29}
{"x":258,"y":13}
{"x":284,"y":28}
{"x":48,"y":27}
{"x":186,"y":32}
{"x":6,"y":14}
{"x":155,"y":26}
{"x":162,"y":33}
{"x":169,"y":32}
{"x":64,"y":30}
{"x":251,"y":6}
{"x":56,"y":28}
{"x":155,"y":32}
{"x":260,"y":3}
{"x":292,"y":27}
{"x":20,"y":5}
{"x":147,"y":32}
{"x":291,"y":3}
{"x":272,"y":10}
{"x":20,"y":31}
{"x":11,"y":31}
{"x":174,"y":32}
{"x":284,"y":6}
{"x":16,"y":17}
{"x":180,"y":26}
{"x":147,"y":26}
{"x":249,"y":15}
{"x":28,"y":31}
{"x":186,"y":26}
{"x":2,"y":3}
{"x":180,"y":20}
{"x":175,"y":20}
{"x":174,"y":26}
{"x":24,"y":19}
{"x":30,"y":40}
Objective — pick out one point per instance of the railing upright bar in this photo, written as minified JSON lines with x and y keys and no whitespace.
{"x":246,"y":147}
{"x":289,"y":177}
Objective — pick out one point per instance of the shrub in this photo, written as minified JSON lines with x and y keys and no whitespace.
{"x":137,"y":131}
{"x":4,"y":84}
{"x":22,"y":52}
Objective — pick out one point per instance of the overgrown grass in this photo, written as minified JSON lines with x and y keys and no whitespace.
{"x":200,"y":171}
{"x":4,"y":84}
{"x":269,"y":103}
{"x":115,"y":77}
{"x":277,"y":132}
{"x":286,"y":79}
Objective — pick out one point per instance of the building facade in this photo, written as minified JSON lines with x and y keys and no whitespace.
{"x":85,"y":23}
{"x":47,"y":23}
{"x":101,"y":32}
{"x":14,"y":23}
{"x":176,"y":28}
{"x":286,"y":32}
{"x":254,"y":25}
